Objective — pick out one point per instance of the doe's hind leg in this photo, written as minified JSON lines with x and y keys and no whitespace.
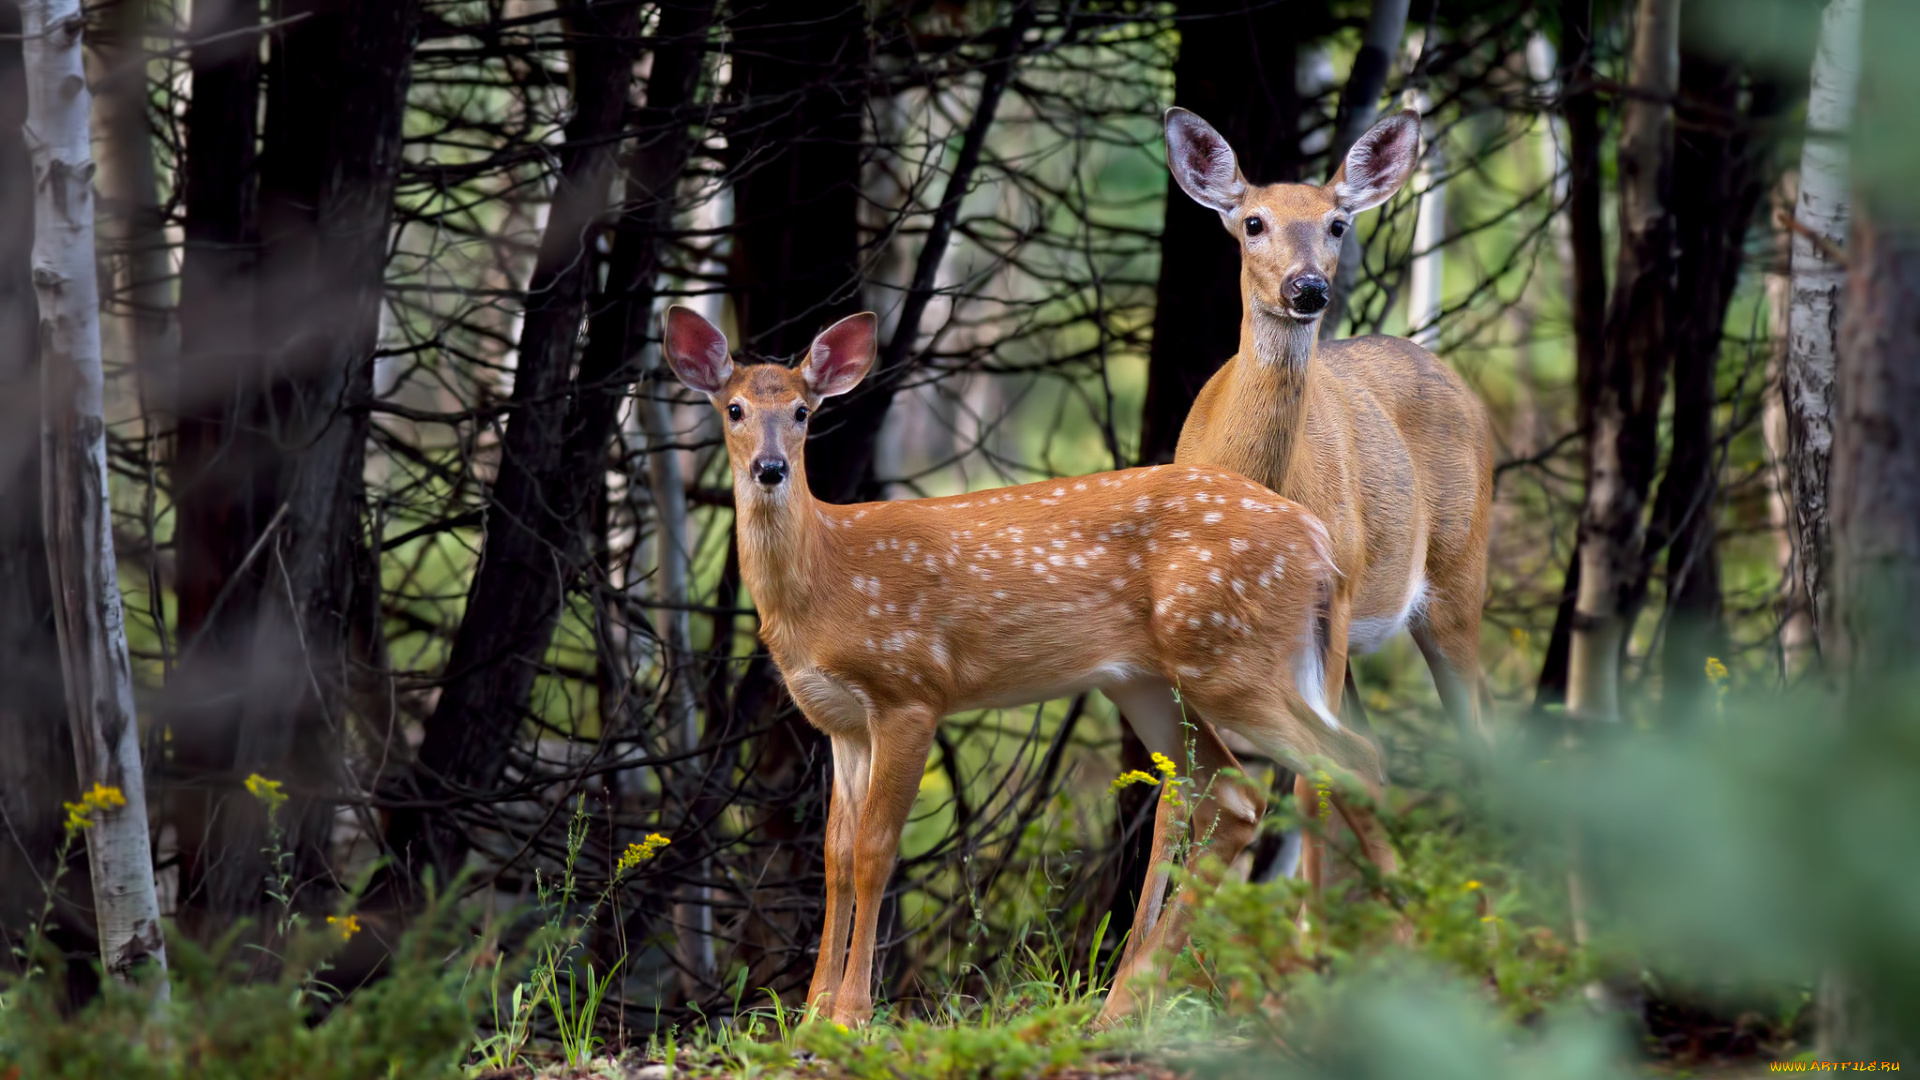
{"x":1448,"y":633}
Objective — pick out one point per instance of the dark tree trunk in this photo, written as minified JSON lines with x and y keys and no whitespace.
{"x":1359,"y":102}
{"x":554,"y":447}
{"x":799,"y":80}
{"x":36,"y":751}
{"x":338,"y":81}
{"x":224,"y":466}
{"x":1875,"y":630}
{"x":1622,"y":433}
{"x":1580,"y":104}
{"x":799,"y":83}
{"x":1720,"y":173}
{"x":845,"y":445}
{"x":1237,"y":69}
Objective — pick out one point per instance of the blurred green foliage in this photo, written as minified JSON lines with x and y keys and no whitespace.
{"x":221,"y":1023}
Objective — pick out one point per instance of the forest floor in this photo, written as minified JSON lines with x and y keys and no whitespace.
{"x":1081,"y":1060}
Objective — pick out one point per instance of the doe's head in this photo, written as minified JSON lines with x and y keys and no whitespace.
{"x":764,"y":408}
{"x":1290,"y":234}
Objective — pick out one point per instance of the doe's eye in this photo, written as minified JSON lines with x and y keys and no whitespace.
{"x":1255,"y":226}
{"x":1338,"y":228}
{"x":800,"y":415}
{"x":734,"y":413}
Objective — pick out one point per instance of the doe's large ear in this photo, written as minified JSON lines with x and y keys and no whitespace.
{"x":1380,"y":161}
{"x":696,"y":350}
{"x":842,"y":355}
{"x":1202,"y":163}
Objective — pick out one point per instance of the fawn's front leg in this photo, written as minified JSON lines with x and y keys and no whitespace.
{"x":852,"y":756}
{"x":901,"y":739}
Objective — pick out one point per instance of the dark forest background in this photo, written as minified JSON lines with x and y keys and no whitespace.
{"x":409,"y":516}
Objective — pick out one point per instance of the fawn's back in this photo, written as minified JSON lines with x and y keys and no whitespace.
{"x":1189,"y":575}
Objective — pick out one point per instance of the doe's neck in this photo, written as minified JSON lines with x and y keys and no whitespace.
{"x":1278,"y":344}
{"x":1275,"y":373}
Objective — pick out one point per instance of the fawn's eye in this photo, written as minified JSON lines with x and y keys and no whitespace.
{"x":1338,"y":228}
{"x":1255,"y":226}
{"x":734,"y":413}
{"x":800,"y":415}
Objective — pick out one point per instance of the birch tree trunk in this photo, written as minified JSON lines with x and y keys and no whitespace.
{"x":1796,"y":622}
{"x":1426,"y":284}
{"x":1622,"y":436}
{"x":36,"y":754}
{"x":129,"y":188}
{"x":77,"y":518}
{"x":1821,"y":210}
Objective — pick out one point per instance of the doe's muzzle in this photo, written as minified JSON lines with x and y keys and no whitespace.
{"x":1307,"y":293}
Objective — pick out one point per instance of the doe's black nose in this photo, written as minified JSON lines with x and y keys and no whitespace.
{"x":1307,"y":293}
{"x":770,"y":471}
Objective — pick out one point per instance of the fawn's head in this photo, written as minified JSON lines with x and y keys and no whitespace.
{"x":1290,"y":234}
{"x":764,"y":408}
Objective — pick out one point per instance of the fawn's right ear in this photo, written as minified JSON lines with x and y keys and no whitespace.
{"x":696,"y":350}
{"x":842,"y":355}
{"x":1202,"y":163}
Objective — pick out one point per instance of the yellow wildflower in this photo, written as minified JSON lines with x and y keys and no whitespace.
{"x":345,"y":925}
{"x":80,"y":815}
{"x":1132,"y":777}
{"x":1164,"y":764}
{"x":1520,"y":636}
{"x":1717,"y":678}
{"x":103,"y":796}
{"x":641,"y":852}
{"x":267,"y":791}
{"x":1472,"y":885}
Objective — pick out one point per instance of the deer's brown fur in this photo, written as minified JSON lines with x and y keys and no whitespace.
{"x":1377,"y":437}
{"x":885,"y":617}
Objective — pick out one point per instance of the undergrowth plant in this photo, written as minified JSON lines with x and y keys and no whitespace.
{"x":223,"y":1021}
{"x":555,"y":977}
{"x":1458,"y":904}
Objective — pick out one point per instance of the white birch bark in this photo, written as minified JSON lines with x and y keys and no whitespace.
{"x":1427,"y":278}
{"x":1821,"y":210}
{"x":666,"y":483}
{"x":77,"y":518}
{"x":1796,"y":624}
{"x":129,"y":190}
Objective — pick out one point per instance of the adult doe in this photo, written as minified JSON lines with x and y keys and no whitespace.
{"x":1374,"y":435}
{"x":885,"y":617}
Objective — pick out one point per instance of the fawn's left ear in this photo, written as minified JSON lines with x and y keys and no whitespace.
{"x":842,"y":355}
{"x":1379,"y":162}
{"x":696,"y":350}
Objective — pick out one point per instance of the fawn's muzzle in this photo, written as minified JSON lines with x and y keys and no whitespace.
{"x":770,"y":471}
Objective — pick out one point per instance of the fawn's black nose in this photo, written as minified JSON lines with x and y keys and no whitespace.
{"x":770,"y":471}
{"x":1307,"y":293}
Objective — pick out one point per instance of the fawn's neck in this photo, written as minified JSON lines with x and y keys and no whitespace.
{"x":1277,"y":364}
{"x":780,"y":544}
